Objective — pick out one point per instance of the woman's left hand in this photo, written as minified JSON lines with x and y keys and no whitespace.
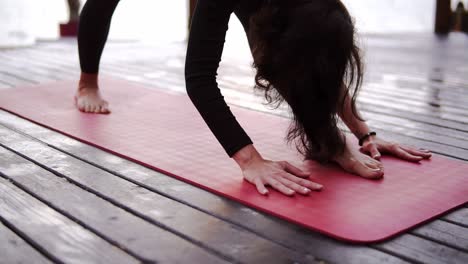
{"x":374,"y":146}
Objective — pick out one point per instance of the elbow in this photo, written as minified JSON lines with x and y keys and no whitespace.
{"x":199,"y":87}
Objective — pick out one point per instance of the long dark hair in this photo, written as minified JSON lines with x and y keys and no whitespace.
{"x":305,"y":53}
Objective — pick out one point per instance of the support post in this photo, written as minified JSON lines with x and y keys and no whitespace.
{"x":443,"y":17}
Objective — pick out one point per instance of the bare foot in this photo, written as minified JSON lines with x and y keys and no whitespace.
{"x":87,"y":98}
{"x":90,"y":101}
{"x":353,"y":161}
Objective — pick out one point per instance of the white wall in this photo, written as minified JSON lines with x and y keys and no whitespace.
{"x":150,"y":20}
{"x":165,"y":20}
{"x":23,"y":21}
{"x":392,"y":15}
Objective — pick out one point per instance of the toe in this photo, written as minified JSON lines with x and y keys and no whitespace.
{"x":88,"y":108}
{"x":104,"y":108}
{"x":367,"y":171}
{"x":81,"y":106}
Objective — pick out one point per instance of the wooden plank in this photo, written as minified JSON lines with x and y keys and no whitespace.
{"x":273,"y":229}
{"x":13,"y":80}
{"x":182,"y":189}
{"x":450,"y":85}
{"x":442,"y":97}
{"x":373,"y":108}
{"x":459,"y":111}
{"x":410,"y":80}
{"x":424,"y":251}
{"x":460,"y":217}
{"x":453,"y":235}
{"x":178,"y":218}
{"x":61,"y":238}
{"x":448,"y":151}
{"x":432,"y":141}
{"x":14,"y":250}
{"x":116,"y":225}
{"x":240,"y":218}
{"x":391,"y":106}
{"x":461,"y":145}
{"x":428,"y":129}
{"x":4,"y":85}
{"x":25,"y":73}
{"x":395,"y":134}
{"x":35,"y":71}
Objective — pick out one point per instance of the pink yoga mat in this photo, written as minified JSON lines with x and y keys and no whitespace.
{"x":165,"y":132}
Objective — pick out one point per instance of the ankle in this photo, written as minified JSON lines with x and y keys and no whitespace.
{"x":88,"y":81}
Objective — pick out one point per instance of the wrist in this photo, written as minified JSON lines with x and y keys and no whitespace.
{"x":366,"y":137}
{"x":246,"y":156}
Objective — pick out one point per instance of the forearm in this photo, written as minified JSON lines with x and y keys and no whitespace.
{"x":205,"y":47}
{"x":358,"y":127}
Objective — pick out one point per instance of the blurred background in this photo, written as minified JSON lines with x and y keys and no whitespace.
{"x":22,"y":22}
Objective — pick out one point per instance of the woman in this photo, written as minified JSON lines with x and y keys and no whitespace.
{"x":305,"y":53}
{"x":95,"y":20}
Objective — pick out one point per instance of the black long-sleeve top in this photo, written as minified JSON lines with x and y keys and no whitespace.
{"x":205,"y":46}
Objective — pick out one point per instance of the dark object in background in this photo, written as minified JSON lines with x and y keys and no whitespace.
{"x":443,"y":17}
{"x":192,"y":5}
{"x":70,"y":29}
{"x":465,"y":22}
{"x":459,"y":19}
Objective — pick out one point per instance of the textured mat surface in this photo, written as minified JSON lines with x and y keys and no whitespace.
{"x":165,"y":132}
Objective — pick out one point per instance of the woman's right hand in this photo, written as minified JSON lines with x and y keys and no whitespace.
{"x":280,"y":175}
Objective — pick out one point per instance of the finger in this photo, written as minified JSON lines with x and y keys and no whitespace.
{"x":372,"y":165}
{"x":366,"y":172}
{"x":374,"y":162}
{"x":421,"y":153}
{"x":279,"y":186}
{"x":425,"y":150}
{"x":260,"y":186}
{"x":295,"y":170}
{"x":374,"y":152}
{"x":402,"y":154}
{"x":294,"y":186}
{"x":371,"y":150}
{"x":305,"y":183}
{"x":371,"y":161}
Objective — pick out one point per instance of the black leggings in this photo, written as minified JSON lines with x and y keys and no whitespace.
{"x":95,"y":20}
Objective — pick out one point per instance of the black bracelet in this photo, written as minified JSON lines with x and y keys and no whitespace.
{"x":366,"y":136}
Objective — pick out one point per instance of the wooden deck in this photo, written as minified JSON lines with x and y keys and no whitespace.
{"x":62,"y":201}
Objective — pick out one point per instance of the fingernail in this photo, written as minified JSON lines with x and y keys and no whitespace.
{"x":318,"y":186}
{"x":306,"y":190}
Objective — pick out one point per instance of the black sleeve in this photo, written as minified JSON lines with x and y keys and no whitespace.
{"x":205,"y":46}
